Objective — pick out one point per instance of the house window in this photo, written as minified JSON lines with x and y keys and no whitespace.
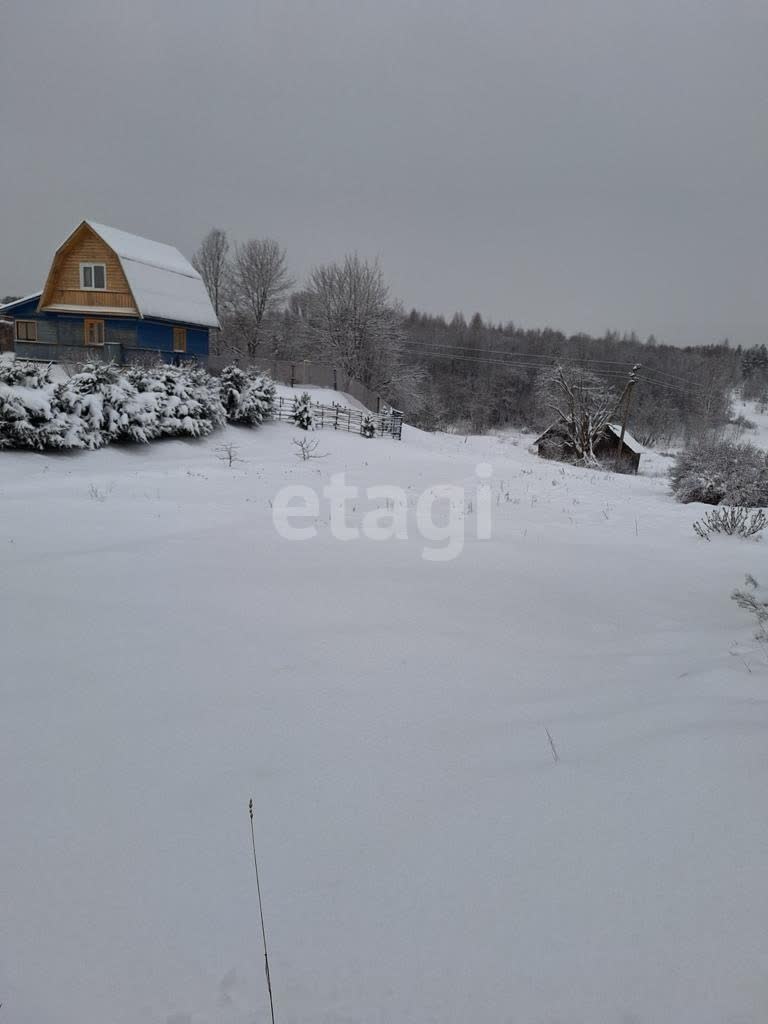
{"x":26,"y":330}
{"x":93,"y":331}
{"x":93,"y":276}
{"x":179,"y":339}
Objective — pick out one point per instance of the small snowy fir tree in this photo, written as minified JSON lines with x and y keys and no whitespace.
{"x":232,"y":383}
{"x":247,"y":396}
{"x":188,"y":399}
{"x":85,"y":398}
{"x":368,"y":426}
{"x":28,"y":417}
{"x":301,"y":414}
{"x":106,"y":407}
{"x":19,"y":371}
{"x":25,"y":418}
{"x":263,"y":392}
{"x":101,"y":404}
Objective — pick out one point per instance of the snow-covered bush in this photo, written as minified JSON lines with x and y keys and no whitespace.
{"x":733,"y":520}
{"x":105,"y":406}
{"x":721,"y":472}
{"x":187,"y":400}
{"x":201,"y":392}
{"x":22,"y":371}
{"x":247,"y":396}
{"x":27,"y":418}
{"x":301,"y":413}
{"x":368,"y":426}
{"x":102,"y":403}
{"x":28,"y":415}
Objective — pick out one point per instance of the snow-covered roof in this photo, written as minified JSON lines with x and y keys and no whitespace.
{"x":164,"y":283}
{"x":18,"y":302}
{"x":615,"y":429}
{"x":629,"y":441}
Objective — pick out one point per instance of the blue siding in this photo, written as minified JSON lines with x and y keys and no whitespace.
{"x":61,"y":335}
{"x":157,"y":336}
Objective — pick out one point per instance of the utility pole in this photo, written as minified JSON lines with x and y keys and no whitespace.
{"x":628,"y":395}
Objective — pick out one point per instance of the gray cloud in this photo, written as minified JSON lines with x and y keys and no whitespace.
{"x":580,"y":163}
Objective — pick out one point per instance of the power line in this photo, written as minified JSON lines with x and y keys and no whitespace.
{"x":672,"y":387}
{"x":446,"y":352}
{"x":506,"y":359}
{"x":515,"y":358}
{"x":508,"y":352}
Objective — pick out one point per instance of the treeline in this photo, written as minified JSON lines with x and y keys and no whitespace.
{"x":492,"y":375}
{"x":473,"y":374}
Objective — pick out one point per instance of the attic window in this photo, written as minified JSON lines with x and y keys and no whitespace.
{"x":93,"y":276}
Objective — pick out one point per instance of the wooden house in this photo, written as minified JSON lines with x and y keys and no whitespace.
{"x":114,"y":296}
{"x":553,"y":444}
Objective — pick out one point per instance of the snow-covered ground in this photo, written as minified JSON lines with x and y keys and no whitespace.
{"x":166,"y":656}
{"x":326,"y":396}
{"x":750,"y":411}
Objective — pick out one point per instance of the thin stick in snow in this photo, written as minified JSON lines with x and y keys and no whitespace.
{"x":555,"y":755}
{"x":261,"y":915}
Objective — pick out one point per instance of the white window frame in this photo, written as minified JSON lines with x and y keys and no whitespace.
{"x":92,"y":267}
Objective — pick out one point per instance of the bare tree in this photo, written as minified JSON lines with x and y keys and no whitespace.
{"x":584,"y":404}
{"x":356,"y":323}
{"x":211,"y":263}
{"x":308,"y":450}
{"x":228,"y":453}
{"x":259,"y":282}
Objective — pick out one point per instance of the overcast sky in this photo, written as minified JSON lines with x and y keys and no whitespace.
{"x":584,"y":164}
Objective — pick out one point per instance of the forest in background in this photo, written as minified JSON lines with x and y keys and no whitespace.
{"x":458,"y":373}
{"x":470,"y":375}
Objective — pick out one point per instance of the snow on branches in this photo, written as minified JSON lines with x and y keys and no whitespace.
{"x":102,"y":403}
{"x":247,"y":395}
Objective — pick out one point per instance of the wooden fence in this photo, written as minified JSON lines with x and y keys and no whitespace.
{"x":341,"y":417}
{"x":301,"y":373}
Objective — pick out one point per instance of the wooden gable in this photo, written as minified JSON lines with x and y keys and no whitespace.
{"x":63,"y":285}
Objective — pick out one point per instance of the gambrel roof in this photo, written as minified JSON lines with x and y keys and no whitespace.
{"x":164,"y":284}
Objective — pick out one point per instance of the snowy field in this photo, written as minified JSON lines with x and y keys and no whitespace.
{"x":166,"y":656}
